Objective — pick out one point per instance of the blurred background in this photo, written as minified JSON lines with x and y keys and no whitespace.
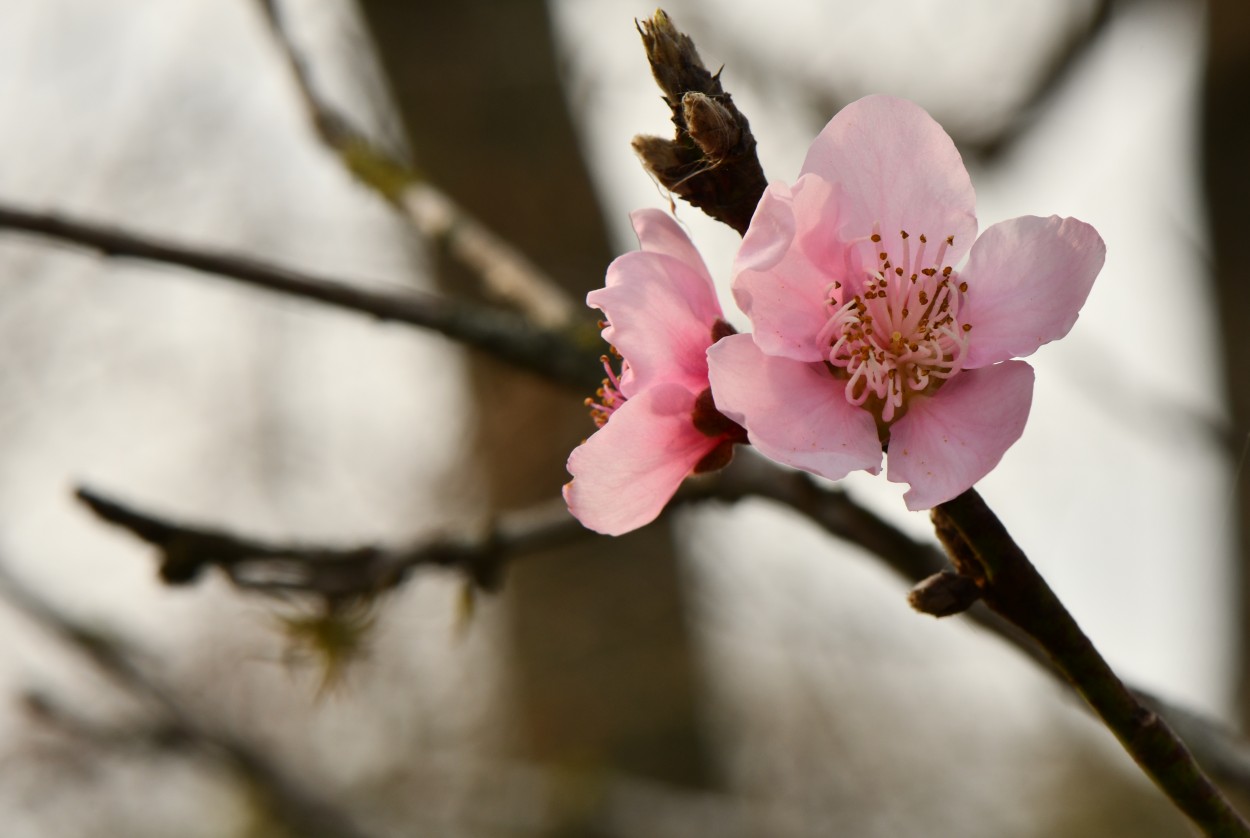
{"x":735,"y":672}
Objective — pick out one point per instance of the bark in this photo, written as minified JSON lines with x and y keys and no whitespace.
{"x":1226,"y":178}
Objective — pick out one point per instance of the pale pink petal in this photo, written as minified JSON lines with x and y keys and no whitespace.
{"x":899,"y":169}
{"x":659,"y":232}
{"x":794,"y":412}
{"x":1027,"y":279}
{"x":661,"y":311}
{"x":785,"y":265}
{"x":625,"y":474}
{"x":946,"y":443}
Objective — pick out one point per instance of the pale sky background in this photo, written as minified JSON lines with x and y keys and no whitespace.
{"x":178,"y":118}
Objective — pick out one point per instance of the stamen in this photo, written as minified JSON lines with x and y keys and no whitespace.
{"x":901,"y":334}
{"x":609,"y":393}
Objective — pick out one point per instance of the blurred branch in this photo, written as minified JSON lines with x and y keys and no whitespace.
{"x":344,"y":573}
{"x":304,"y":811}
{"x":711,"y":163}
{"x":146,"y":736}
{"x":983,"y":551}
{"x":562,"y":356}
{"x":188,"y":549}
{"x":822,"y":95}
{"x":336,"y":573}
{"x":1059,"y":68}
{"x":507,"y":275}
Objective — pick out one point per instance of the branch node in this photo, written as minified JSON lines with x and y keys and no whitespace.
{"x":944,"y":594}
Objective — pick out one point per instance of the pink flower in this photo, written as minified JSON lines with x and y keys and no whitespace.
{"x":866,"y":337}
{"x":657,"y":423}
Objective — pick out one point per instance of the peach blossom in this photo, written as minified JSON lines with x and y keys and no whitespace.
{"x":657,"y":422}
{"x":868,"y":336}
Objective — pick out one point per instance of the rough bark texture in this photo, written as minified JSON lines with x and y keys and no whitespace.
{"x":604,"y":666}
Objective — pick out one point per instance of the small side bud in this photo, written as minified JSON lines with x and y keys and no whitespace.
{"x":944,"y":594}
{"x":662,"y":158}
{"x":711,"y":125}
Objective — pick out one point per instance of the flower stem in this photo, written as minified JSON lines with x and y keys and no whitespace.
{"x":981,"y":548}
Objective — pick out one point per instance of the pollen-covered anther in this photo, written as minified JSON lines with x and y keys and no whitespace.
{"x":609,"y":396}
{"x":901,"y":335}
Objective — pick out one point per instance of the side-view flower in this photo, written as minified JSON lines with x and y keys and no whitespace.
{"x":866,"y":337}
{"x":657,"y":421}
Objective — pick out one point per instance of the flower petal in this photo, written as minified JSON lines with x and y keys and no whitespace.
{"x":946,"y":443}
{"x":659,"y":232}
{"x":785,"y":266}
{"x":899,"y":169}
{"x":626,"y":473}
{"x":794,"y":412}
{"x":660,"y":304}
{"x":1027,"y":280}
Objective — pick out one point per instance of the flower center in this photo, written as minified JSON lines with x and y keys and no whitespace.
{"x":900,"y":335}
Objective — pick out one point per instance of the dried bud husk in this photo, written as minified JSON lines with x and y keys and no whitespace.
{"x":675,"y":62}
{"x":711,"y":162}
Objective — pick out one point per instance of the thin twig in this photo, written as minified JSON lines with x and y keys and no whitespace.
{"x":507,"y":275}
{"x":568,"y":357}
{"x":336,"y":573}
{"x":303,"y":811}
{"x":984,"y":551}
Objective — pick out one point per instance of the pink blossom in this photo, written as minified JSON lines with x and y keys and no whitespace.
{"x":657,"y":423}
{"x":866,"y":337}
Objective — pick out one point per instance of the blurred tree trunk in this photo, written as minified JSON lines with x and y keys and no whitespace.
{"x":1226,"y":177}
{"x":604,"y":663}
